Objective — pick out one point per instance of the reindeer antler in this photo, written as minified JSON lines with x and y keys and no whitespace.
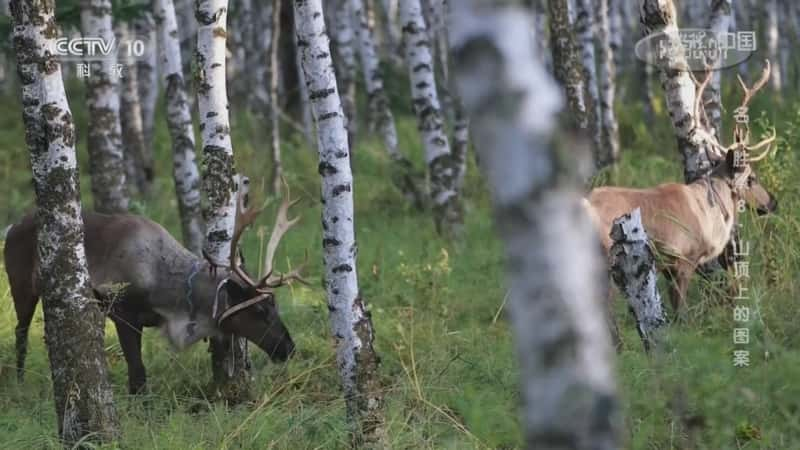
{"x":749,"y":92}
{"x":701,"y":127}
{"x":768,"y":142}
{"x":245,"y":216}
{"x":282,"y":225}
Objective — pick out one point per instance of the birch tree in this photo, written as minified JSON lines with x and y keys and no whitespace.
{"x":719,"y":23}
{"x":147,"y":83}
{"x":380,"y":113}
{"x":74,"y":323}
{"x":424,"y":96}
{"x":679,"y":89}
{"x":274,"y":116}
{"x":607,"y":71}
{"x":179,"y":120}
{"x":554,"y":266}
{"x":230,"y":362}
{"x":346,"y":65}
{"x":566,"y":61}
{"x":438,"y":11}
{"x":586,"y":29}
{"x":131,"y":117}
{"x":772,"y":35}
{"x":350,"y":322}
{"x":106,"y":158}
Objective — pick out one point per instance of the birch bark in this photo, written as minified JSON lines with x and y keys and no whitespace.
{"x":106,"y":158}
{"x":446,"y":206}
{"x":350,"y":321}
{"x":586,"y":29}
{"x":566,"y":61}
{"x":185,"y":174}
{"x":230,"y":362}
{"x":554,"y":266}
{"x":147,"y":83}
{"x":130,"y":115}
{"x":633,"y":268}
{"x":346,"y":66}
{"x":74,"y":323}
{"x":771,"y":10}
{"x":719,"y":23}
{"x":607,"y":71}
{"x":380,"y":113}
{"x":679,"y":89}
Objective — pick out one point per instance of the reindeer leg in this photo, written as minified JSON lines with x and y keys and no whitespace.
{"x":25,"y":305}
{"x":679,"y":277}
{"x":129,"y":331}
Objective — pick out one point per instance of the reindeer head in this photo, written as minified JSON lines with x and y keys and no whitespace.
{"x":735,"y":162}
{"x":249,"y":308}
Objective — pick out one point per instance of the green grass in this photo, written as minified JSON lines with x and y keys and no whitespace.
{"x":448,"y":363}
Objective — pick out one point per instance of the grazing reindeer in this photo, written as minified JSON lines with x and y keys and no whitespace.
{"x":147,"y":279}
{"x":690,"y":224}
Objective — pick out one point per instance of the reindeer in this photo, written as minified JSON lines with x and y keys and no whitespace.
{"x":691,"y":224}
{"x":147,"y":279}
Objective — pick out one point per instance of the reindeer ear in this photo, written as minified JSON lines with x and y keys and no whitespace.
{"x":236,"y":293}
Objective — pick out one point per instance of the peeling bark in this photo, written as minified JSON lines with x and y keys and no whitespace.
{"x":554,"y":264}
{"x":380,"y":114}
{"x":185,"y":173}
{"x":633,"y":268}
{"x":351,"y":324}
{"x":447,"y":211}
{"x":74,"y":322}
{"x":106,"y":159}
{"x":229,"y":357}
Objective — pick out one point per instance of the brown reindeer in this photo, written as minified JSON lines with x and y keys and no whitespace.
{"x":147,"y":279}
{"x":691,"y":224}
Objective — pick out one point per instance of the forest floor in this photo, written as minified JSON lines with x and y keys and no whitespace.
{"x":447,"y":356}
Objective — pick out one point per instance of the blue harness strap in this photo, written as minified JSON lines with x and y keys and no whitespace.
{"x":189,"y":279}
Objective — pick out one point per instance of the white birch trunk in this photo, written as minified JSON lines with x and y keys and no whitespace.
{"x":380,"y":114}
{"x":447,"y":210}
{"x":346,"y":66}
{"x":106,"y":159}
{"x":131,"y":116}
{"x":305,"y":104}
{"x":553,"y":259}
{"x":586,"y":29}
{"x":229,"y":354}
{"x":719,"y":23}
{"x":618,"y":28}
{"x":74,"y":323}
{"x":679,"y":89}
{"x":147,"y":83}
{"x":607,"y":71}
{"x":350,"y":322}
{"x":633,"y":268}
{"x":566,"y":61}
{"x":274,"y":107}
{"x":772,"y":35}
{"x":185,"y":173}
